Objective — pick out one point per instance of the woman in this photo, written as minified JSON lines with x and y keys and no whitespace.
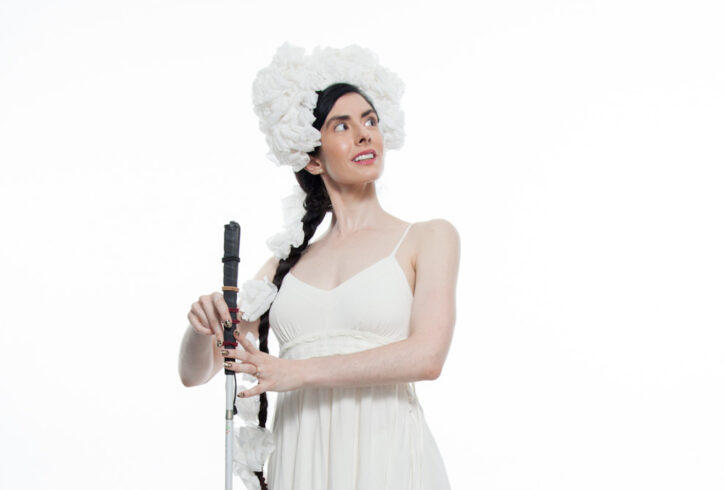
{"x":360,"y":314}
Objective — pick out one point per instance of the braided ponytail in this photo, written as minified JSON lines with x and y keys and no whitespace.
{"x":317,"y":204}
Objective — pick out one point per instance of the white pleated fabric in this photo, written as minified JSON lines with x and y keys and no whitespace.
{"x":349,"y":438}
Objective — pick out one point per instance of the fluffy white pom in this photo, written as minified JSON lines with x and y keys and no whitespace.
{"x":252,"y":447}
{"x":255,"y":298}
{"x":293,"y":233}
{"x":281,"y":243}
{"x":247,"y":408}
{"x":253,"y":444}
{"x":293,"y":206}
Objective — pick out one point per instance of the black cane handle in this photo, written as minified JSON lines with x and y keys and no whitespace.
{"x":232,"y":237}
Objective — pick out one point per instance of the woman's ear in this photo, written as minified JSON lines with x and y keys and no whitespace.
{"x":314,"y":166}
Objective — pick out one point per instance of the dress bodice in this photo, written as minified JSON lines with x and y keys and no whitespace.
{"x":370,"y":308}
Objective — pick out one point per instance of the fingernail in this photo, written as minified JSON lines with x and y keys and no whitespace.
{"x":219,"y":343}
{"x":227,"y":365}
{"x":224,"y":352}
{"x":241,"y":394}
{"x":227,"y":323}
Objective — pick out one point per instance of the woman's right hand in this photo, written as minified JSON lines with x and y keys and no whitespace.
{"x":208,"y":314}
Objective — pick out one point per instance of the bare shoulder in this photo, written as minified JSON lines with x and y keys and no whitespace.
{"x":438,"y":226}
{"x":436,"y":260}
{"x":436,"y":255}
{"x":437,"y":236}
{"x":268,"y":269}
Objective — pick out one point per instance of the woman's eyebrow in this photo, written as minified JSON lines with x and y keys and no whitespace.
{"x":336,"y":118}
{"x":347,"y":118}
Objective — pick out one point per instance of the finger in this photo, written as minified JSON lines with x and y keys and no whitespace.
{"x":246,"y":344}
{"x":198,"y":310}
{"x":214,"y":322}
{"x":197,"y":326}
{"x":253,"y":391}
{"x":242,"y":355}
{"x":248,"y":368}
{"x":222,"y":309}
{"x":240,"y":367}
{"x":232,"y":366}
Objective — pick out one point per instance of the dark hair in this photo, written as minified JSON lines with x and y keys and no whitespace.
{"x":316,"y":204}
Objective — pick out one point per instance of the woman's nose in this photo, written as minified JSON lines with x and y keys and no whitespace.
{"x":364,"y":135}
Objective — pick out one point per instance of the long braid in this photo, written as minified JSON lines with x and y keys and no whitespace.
{"x":316,"y":204}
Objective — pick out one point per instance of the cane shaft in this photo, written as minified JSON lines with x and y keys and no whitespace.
{"x":229,"y":432}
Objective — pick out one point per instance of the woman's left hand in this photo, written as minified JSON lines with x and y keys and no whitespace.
{"x":275,"y":374}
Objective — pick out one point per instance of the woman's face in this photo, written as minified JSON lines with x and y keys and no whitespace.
{"x":352,"y":148}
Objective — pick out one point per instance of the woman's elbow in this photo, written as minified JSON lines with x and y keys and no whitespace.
{"x":430,"y":363}
{"x":186,"y":380}
{"x":189,"y":379}
{"x":433,"y":371}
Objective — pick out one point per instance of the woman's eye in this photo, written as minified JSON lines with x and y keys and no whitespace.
{"x":371,"y":122}
{"x":340,"y":127}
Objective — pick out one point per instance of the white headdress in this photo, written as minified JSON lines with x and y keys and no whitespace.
{"x":285,"y":95}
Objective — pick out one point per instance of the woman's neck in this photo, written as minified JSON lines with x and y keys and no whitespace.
{"x":355,"y":208}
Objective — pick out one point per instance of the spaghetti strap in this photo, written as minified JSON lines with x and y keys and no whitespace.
{"x":400,"y":241}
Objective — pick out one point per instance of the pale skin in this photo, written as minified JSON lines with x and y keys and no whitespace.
{"x":361,"y":233}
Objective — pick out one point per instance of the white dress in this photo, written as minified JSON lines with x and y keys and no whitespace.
{"x":349,"y":438}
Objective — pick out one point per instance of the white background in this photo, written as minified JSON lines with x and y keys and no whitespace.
{"x":576,"y":147}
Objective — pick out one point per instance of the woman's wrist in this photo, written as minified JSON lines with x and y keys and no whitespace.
{"x":197,"y":337}
{"x":305,"y":368}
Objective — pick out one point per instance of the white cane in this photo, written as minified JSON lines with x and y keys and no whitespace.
{"x":232,"y":234}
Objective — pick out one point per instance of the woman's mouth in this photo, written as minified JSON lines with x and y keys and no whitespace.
{"x":365,"y":158}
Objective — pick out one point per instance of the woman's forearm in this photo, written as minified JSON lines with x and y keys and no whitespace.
{"x":197,"y":363}
{"x":399,"y":362}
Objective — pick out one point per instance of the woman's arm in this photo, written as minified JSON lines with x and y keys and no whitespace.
{"x":418,"y":357}
{"x":199,"y":358}
{"x":196,"y":357}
